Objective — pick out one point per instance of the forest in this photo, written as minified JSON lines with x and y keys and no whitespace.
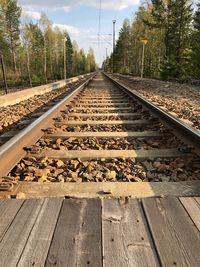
{"x":33,"y":53}
{"x":167,"y":34}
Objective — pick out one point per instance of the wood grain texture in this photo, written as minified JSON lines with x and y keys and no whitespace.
{"x":77,"y":237}
{"x":37,"y":246}
{"x":126,"y":241}
{"x":8,"y":210}
{"x":14,"y":240}
{"x":104,"y":114}
{"x":175,"y":235}
{"x":106,"y":104}
{"x":197,"y":200}
{"x":193,"y":209}
{"x":98,"y":154}
{"x":105,"y":122}
{"x":112,"y":108}
{"x":104,"y":134}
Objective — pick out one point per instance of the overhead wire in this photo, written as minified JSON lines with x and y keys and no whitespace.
{"x":104,"y":39}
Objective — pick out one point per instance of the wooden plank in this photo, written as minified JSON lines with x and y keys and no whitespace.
{"x":126,"y":240}
{"x":197,"y":199}
{"x":96,"y":104}
{"x":113,"y":108}
{"x":37,"y":246}
{"x":103,"y":95}
{"x":77,"y":237}
{"x":13,"y":242}
{"x":110,"y":101}
{"x":102,"y":98}
{"x":8,"y":210}
{"x":116,"y":189}
{"x":106,"y":122}
{"x":98,"y":154}
{"x":104,"y":134}
{"x":175,"y":235}
{"x":104,"y":114}
{"x":193,"y":209}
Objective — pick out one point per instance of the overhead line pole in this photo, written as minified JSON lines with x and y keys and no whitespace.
{"x":114,"y":21}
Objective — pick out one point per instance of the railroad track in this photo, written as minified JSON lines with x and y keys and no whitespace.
{"x":17,"y":117}
{"x":101,"y":132}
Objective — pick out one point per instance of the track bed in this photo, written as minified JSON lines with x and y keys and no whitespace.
{"x":101,"y":133}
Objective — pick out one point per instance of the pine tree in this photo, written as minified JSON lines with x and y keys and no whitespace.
{"x":196,"y":43}
{"x":69,"y":54}
{"x":11,"y":32}
{"x":174,"y":17}
{"x":122,"y":47}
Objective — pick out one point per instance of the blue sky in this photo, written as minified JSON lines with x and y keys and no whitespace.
{"x":81,"y":19}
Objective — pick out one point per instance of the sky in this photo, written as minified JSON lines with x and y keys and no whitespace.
{"x":81,"y":19}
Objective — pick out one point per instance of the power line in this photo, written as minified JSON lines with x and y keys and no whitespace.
{"x":105,"y":40}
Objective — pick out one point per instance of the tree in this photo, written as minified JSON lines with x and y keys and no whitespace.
{"x":174,"y":18}
{"x":91,"y":65}
{"x":36,"y":51}
{"x":10,"y":26}
{"x":75,"y":64}
{"x":69,"y":54}
{"x":39,"y":49}
{"x":196,"y":43}
{"x":82,"y":61}
{"x":45,"y":24}
{"x":27,"y":38}
{"x":121,"y":58}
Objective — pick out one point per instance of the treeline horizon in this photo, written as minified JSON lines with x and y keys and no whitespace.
{"x":33,"y":52}
{"x":167,"y":33}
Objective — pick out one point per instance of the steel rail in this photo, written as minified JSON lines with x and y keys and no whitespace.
{"x":187,"y":133}
{"x":13,"y":150}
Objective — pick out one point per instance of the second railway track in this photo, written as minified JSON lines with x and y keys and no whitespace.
{"x":100,"y":133}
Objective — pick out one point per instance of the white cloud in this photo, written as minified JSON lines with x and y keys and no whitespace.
{"x":67,"y":5}
{"x":31,"y":14}
{"x":70,"y":29}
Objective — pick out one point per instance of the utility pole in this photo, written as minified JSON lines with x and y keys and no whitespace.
{"x":144,"y":42}
{"x":64,"y":46}
{"x":4,"y":74}
{"x":114,"y":21}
